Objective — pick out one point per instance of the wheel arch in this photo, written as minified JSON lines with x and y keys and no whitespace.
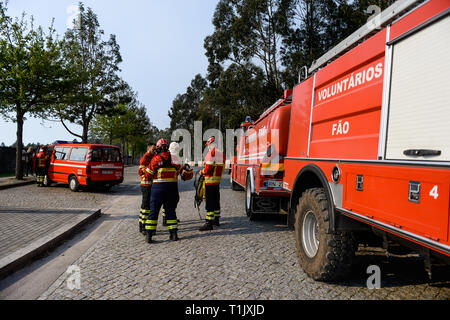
{"x":310,"y":176}
{"x":71,"y":175}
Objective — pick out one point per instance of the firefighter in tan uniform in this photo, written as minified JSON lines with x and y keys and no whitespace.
{"x":146,"y":185}
{"x":215,"y":163}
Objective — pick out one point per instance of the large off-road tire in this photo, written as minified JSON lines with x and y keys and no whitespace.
{"x":324,"y":256}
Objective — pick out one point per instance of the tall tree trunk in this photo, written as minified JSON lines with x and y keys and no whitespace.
{"x":125,"y":159}
{"x":19,"y":144}
{"x":85,"y":132}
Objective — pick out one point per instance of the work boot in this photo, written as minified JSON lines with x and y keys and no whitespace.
{"x":141,"y":228}
{"x":148,"y":236}
{"x":207,"y":226}
{"x":216,"y":221}
{"x":174,"y":235}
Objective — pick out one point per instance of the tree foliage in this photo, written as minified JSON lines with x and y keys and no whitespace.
{"x":257,"y":49}
{"x":32,"y":76}
{"x":93,"y":64}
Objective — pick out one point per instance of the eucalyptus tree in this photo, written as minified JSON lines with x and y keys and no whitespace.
{"x":249,"y":31}
{"x":93,"y":64}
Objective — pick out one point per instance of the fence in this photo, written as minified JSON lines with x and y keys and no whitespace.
{"x":7,"y":160}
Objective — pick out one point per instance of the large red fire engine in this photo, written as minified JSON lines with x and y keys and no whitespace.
{"x":363,"y":143}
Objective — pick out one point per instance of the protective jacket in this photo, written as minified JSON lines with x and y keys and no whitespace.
{"x":215,"y":163}
{"x":162,"y":169}
{"x":143,"y":164}
{"x":42,"y":160}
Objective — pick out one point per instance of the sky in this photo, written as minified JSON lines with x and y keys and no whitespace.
{"x":161,"y":44}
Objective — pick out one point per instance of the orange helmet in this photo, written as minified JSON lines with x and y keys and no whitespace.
{"x":162,"y":143}
{"x":210,"y":140}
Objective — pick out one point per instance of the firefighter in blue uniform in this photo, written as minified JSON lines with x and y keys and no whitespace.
{"x":146,"y":185}
{"x":164,"y":191}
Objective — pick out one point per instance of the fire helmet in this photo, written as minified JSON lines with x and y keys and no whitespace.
{"x":210,"y":140}
{"x":162,"y":143}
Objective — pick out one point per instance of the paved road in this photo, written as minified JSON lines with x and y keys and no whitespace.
{"x":239,"y":260}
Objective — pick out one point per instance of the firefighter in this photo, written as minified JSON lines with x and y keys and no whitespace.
{"x":164,"y":191}
{"x":174,"y":149}
{"x":214,"y":166}
{"x":146,"y":185}
{"x":42,"y":161}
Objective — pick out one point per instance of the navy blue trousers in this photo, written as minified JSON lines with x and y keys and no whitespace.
{"x":163,"y":194}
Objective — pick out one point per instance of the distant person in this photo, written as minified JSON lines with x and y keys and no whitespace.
{"x":24,"y":160}
{"x":42,"y":160}
{"x":29,"y":162}
{"x":215,"y":162}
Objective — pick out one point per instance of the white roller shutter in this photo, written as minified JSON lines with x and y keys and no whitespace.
{"x":419,"y":106}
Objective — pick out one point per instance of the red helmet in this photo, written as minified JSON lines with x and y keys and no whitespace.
{"x":210,"y":140}
{"x":162,"y":143}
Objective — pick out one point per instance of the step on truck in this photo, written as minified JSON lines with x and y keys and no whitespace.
{"x":362,"y":146}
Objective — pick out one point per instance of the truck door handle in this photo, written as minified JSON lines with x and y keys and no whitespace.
{"x":422,"y":152}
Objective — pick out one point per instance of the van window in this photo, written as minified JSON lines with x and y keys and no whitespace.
{"x":105,"y":154}
{"x":78,"y":154}
{"x":61,"y":153}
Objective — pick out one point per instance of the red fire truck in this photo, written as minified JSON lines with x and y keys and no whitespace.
{"x":85,"y":164}
{"x":367,"y":147}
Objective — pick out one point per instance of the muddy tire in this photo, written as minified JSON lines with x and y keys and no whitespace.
{"x":324,"y":256}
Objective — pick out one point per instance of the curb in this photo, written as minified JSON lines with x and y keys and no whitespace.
{"x":18,"y":184}
{"x":24,"y":256}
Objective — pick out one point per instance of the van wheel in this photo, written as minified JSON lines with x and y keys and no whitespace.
{"x":74,"y":185}
{"x":249,"y":199}
{"x":323,"y":256}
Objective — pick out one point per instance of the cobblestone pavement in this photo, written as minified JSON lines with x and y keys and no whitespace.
{"x":239,"y":260}
{"x":20,"y":227}
{"x":59,"y":195}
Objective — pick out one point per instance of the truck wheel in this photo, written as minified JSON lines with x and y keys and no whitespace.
{"x":74,"y":185}
{"x":249,"y":198}
{"x":323,"y":256}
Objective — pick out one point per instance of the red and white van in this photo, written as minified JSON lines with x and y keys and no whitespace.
{"x":85,"y":164}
